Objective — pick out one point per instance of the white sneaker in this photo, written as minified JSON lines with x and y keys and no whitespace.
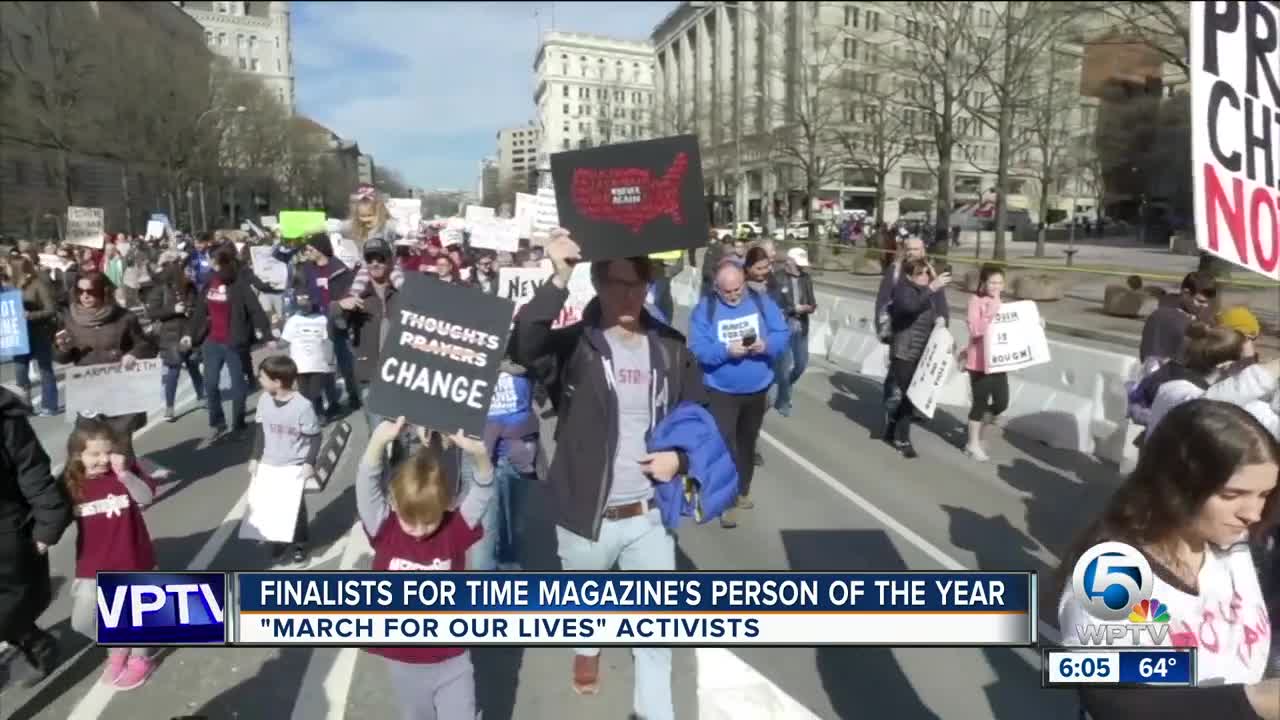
{"x":977,"y":453}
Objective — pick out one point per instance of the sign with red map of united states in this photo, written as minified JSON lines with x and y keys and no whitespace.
{"x":632,"y":199}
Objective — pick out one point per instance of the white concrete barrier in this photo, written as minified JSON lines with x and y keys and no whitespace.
{"x":1076,"y":402}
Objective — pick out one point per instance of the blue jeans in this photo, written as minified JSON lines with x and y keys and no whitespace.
{"x":171,"y":374}
{"x":347,"y":367}
{"x":640,"y":543}
{"x":41,"y":347}
{"x":215,"y":356}
{"x":790,"y":366}
{"x":504,"y":520}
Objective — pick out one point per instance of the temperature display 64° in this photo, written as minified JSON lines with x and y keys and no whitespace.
{"x":1071,"y":667}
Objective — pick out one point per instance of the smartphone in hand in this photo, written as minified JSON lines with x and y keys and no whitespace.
{"x":749,"y":339}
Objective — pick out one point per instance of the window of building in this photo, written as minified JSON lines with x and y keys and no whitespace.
{"x":619,"y":96}
{"x":873,"y":21}
{"x":566,"y":91}
{"x":850,"y":48}
{"x":208,"y":38}
{"x":851,"y":17}
{"x":222,"y":39}
{"x":240,"y":43}
{"x":278,"y":65}
{"x":566,"y":108}
{"x":564,"y":144}
{"x":277,"y":43}
{"x":564,"y":68}
{"x":253,"y":65}
{"x":243,"y":64}
{"x":223,"y":8}
{"x":253,"y":44}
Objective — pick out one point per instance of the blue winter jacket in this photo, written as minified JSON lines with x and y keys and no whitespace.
{"x":710,"y":486}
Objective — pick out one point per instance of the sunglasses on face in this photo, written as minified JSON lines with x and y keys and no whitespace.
{"x":375,"y":260}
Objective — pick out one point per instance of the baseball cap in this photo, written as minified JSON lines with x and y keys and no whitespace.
{"x":799,"y":256}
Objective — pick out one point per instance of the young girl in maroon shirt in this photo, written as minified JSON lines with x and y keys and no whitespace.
{"x":111,"y":535}
{"x":412,"y":528}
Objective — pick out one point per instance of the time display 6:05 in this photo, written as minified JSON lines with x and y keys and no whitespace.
{"x":1083,"y":667}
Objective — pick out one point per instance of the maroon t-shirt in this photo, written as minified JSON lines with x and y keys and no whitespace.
{"x":111,"y":534}
{"x":219,"y":311}
{"x":322,"y":284}
{"x":441,"y":551}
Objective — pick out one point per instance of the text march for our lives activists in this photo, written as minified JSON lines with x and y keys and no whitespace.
{"x":439,"y":365}
{"x":411,"y":608}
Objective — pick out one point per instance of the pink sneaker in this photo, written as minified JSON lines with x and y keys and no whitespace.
{"x":116,"y":660}
{"x":136,"y":672}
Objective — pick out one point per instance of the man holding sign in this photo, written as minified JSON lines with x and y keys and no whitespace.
{"x":626,"y":371}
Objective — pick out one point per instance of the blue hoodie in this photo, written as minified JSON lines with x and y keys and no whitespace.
{"x":710,"y":485}
{"x":709,"y":341}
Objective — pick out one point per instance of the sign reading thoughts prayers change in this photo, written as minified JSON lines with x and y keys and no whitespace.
{"x":439,"y":364}
{"x":632,"y":199}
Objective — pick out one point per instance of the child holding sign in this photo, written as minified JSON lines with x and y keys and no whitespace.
{"x":412,"y":529}
{"x":288,"y":435}
{"x":990,"y":391}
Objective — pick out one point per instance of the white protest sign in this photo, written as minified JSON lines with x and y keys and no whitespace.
{"x":407,"y":214}
{"x":519,"y":284}
{"x":733,"y":330}
{"x":270,"y":222}
{"x":933,"y":371}
{"x":547,"y":214}
{"x":274,"y":495}
{"x":332,"y":225}
{"x":495,"y":234}
{"x":1015,"y":338}
{"x":111,"y":390}
{"x":477,"y":213}
{"x":270,"y":270}
{"x":156,"y":229}
{"x":505,"y":401}
{"x":1233,"y":111}
{"x":53,"y":262}
{"x":526,"y":212}
{"x":451,"y":234}
{"x":85,"y":226}
{"x":345,"y":250}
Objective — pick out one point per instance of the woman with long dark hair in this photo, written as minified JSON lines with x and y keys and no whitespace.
{"x":1205,"y":484}
{"x":42,"y":321}
{"x":96,"y":331}
{"x":170,"y":305}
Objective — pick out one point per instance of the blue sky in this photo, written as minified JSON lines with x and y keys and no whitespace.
{"x":424,"y":87}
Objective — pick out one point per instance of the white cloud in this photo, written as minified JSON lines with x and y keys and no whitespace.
{"x":425,"y":87}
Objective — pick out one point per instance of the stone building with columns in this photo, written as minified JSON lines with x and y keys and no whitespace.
{"x":254,"y":36}
{"x":737,"y":73}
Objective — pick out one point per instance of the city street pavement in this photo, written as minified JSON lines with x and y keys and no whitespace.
{"x":829,"y":497}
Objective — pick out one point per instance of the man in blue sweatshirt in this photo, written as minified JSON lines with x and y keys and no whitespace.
{"x":736,"y":334}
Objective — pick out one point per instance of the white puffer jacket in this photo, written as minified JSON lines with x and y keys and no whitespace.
{"x":1253,"y":389}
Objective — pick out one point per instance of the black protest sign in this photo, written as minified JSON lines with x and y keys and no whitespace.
{"x":632,"y":199}
{"x":439,"y":364}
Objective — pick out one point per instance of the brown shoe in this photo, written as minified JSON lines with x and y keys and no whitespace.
{"x":729,"y":519}
{"x":586,"y":674}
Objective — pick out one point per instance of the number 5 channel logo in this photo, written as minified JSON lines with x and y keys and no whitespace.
{"x":1110,"y":578}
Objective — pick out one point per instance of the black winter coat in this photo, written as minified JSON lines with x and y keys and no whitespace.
{"x":34,"y":506}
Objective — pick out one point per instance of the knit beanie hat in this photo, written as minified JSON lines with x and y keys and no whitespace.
{"x":321,"y":243}
{"x":1240,"y":319}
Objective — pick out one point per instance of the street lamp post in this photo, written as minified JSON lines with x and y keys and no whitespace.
{"x":204,"y":219}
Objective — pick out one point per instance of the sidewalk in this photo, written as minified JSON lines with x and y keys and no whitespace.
{"x":1073,"y":316}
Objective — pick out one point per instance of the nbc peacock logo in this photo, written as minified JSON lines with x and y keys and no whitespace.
{"x":1149,"y":611}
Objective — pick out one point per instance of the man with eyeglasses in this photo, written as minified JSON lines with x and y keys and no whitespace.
{"x":620,"y":372}
{"x":737,"y":335}
{"x":1165,"y":329}
{"x":368,"y":317}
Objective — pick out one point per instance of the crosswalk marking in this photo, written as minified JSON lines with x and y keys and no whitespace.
{"x":325,"y":687}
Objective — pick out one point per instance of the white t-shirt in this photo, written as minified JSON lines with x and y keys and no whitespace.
{"x":309,"y":344}
{"x":1227,"y":621}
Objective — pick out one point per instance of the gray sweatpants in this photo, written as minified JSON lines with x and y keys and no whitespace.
{"x":435,"y":691}
{"x":84,"y":612}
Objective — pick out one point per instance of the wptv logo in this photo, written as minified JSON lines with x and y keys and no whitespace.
{"x":1113,"y":582}
{"x":136,"y":609}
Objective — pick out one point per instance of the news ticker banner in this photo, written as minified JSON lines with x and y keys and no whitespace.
{"x":1118,"y":667}
{"x":355,"y":609}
